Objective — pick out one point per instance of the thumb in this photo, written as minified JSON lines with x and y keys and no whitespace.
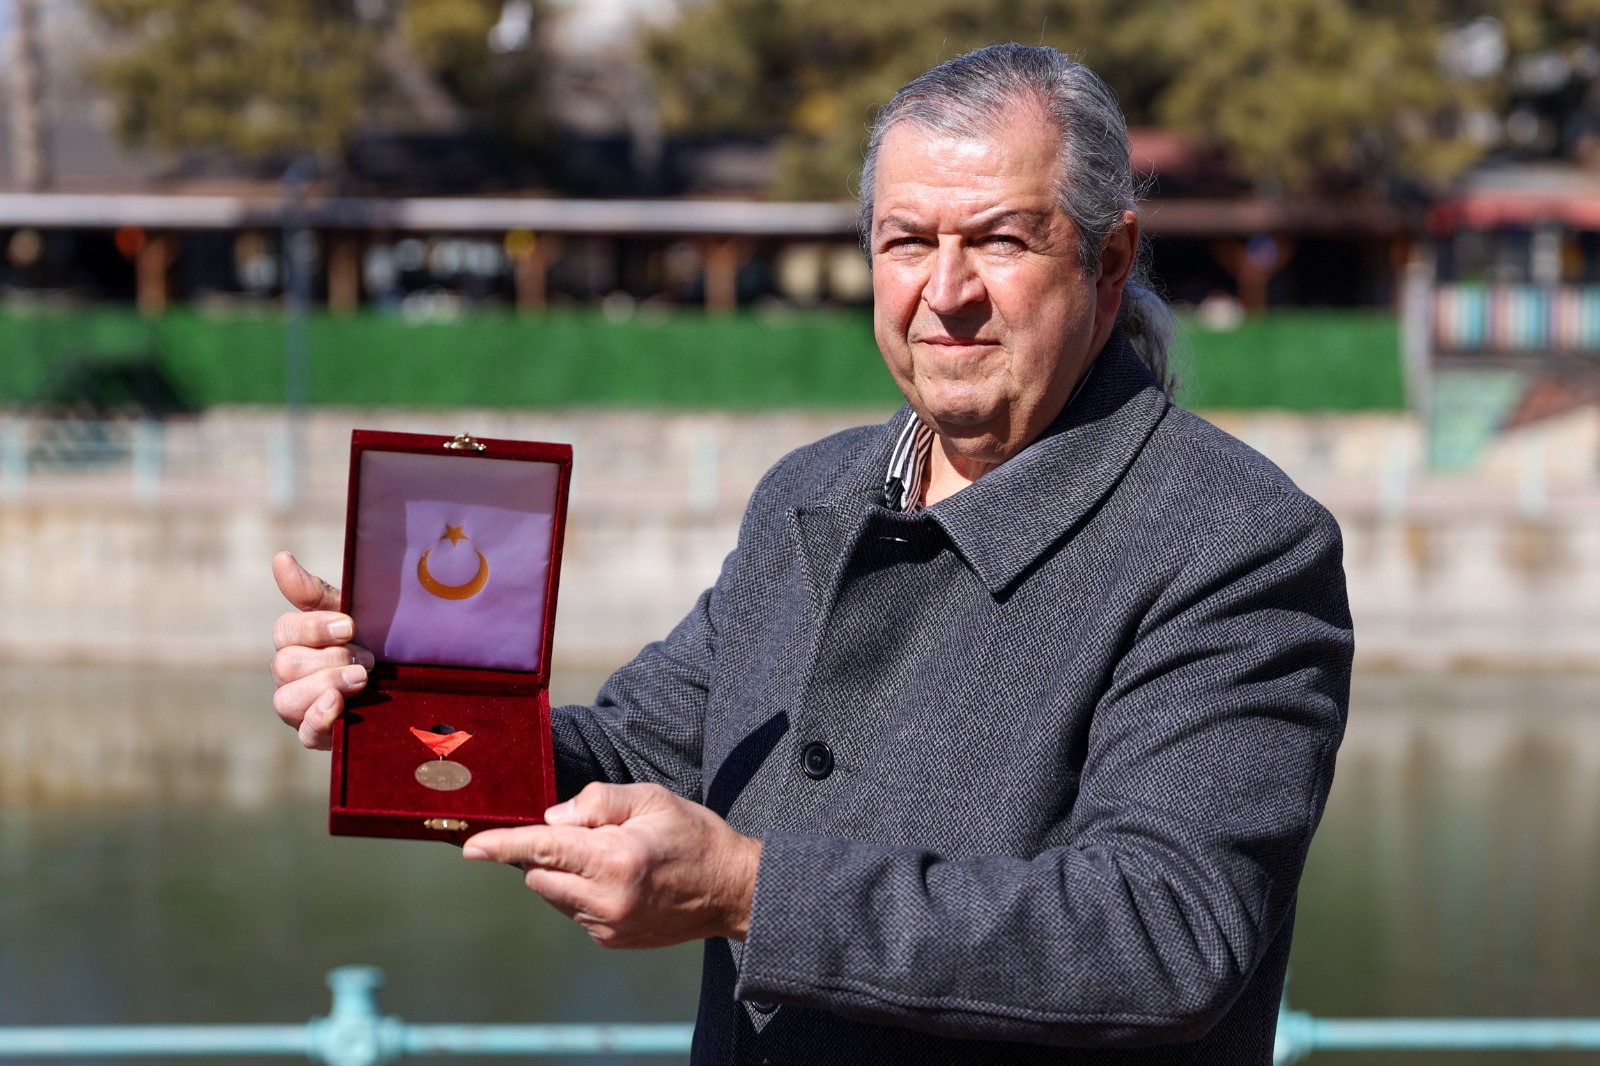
{"x":302,"y":588}
{"x":603,"y":804}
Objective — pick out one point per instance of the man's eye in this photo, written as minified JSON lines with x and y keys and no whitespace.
{"x":1002,"y":240}
{"x":902,"y":244}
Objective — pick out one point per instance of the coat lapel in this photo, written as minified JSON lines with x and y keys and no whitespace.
{"x":1010,"y":516}
{"x":1004,"y":521}
{"x":827,"y":530}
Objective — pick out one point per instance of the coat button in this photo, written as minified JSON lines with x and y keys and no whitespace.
{"x":761,"y":1006}
{"x":817,"y":760}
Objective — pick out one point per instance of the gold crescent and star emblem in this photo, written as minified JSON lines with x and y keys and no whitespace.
{"x":433,"y":585}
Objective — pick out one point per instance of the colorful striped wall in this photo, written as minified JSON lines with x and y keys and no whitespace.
{"x":1474,"y":317}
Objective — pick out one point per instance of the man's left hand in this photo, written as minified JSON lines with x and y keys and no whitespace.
{"x":635,"y":865}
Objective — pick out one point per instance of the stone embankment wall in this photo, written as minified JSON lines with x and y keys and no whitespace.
{"x":163,"y":558}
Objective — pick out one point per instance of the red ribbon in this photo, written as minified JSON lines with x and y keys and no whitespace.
{"x":441,"y":746}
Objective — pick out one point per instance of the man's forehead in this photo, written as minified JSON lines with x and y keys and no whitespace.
{"x":1007,"y":171}
{"x":1021,"y":126}
{"x":1022,"y":119}
{"x":969,"y":117}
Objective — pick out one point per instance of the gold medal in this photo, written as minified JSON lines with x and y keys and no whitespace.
{"x":441,"y":774}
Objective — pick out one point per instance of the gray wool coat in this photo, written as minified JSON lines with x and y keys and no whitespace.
{"x":1080,"y":721}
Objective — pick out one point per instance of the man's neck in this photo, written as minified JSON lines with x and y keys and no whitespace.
{"x":949,"y":472}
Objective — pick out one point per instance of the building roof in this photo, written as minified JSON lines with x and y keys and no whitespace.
{"x":598,"y":217}
{"x":1521,"y":195}
{"x":664,"y":217}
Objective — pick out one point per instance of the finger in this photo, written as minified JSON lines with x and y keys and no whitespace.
{"x":314,"y":629}
{"x":515,"y":847}
{"x":576,"y":897}
{"x":316,"y":728}
{"x":603,"y":804}
{"x":296,"y":661}
{"x":293,"y":701}
{"x":563,"y":909}
{"x":534,"y":846}
{"x":301,"y":587}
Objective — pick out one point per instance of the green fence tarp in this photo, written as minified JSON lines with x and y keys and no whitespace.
{"x":1294,"y":361}
{"x":1298,"y":361}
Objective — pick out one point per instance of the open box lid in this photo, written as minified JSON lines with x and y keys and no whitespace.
{"x":453,"y":555}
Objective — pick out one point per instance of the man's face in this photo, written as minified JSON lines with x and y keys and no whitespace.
{"x":980,"y":306}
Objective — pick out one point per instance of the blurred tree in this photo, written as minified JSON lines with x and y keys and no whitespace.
{"x":1543,"y":59}
{"x":1290,"y":90}
{"x":273,"y":78}
{"x":261,"y":77}
{"x":30,"y":158}
{"x":1296,"y":89}
{"x":490,"y":78}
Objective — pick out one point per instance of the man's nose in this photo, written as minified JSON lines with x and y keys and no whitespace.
{"x":953,"y":284}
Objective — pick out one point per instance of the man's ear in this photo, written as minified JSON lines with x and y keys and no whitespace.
{"x":1116,"y":263}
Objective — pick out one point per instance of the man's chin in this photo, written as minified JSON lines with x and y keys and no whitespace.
{"x":956,"y":419}
{"x":970,"y":431}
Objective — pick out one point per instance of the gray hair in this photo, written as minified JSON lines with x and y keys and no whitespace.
{"x":963,"y":98}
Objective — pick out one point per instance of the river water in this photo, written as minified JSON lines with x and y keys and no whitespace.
{"x":163,"y":858}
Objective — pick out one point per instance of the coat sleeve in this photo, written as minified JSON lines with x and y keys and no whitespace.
{"x":648,"y":721}
{"x":1208,"y":762}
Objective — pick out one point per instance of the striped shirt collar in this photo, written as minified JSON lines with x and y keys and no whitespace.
{"x":908,"y":462}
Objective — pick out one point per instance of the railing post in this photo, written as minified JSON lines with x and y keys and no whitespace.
{"x":354,"y":1033}
{"x":705,"y":467}
{"x":1395,"y":473}
{"x":1293,"y":1039}
{"x":281,"y":466}
{"x":1416,"y":334}
{"x":13,"y":458}
{"x":1531,"y":475}
{"x":146,"y":462}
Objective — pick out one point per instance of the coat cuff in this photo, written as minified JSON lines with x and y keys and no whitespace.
{"x":786,"y":946}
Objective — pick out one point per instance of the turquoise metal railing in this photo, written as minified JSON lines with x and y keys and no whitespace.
{"x":1299,"y":1034}
{"x":355,"y":1034}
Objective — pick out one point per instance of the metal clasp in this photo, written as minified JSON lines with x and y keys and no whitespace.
{"x":444,"y":823}
{"x":465,"y":443}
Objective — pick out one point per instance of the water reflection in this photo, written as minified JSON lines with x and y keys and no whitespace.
{"x":122,"y":735}
{"x":1457,"y":872}
{"x":163,"y":858}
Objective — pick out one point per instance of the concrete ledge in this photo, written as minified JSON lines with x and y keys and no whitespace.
{"x":1453,"y":576}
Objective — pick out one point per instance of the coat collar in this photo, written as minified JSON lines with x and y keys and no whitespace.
{"x":1008,"y":518}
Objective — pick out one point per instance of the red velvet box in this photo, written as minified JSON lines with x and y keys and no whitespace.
{"x":452,"y":558}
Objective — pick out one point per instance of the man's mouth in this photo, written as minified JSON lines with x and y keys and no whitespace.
{"x":956,"y":342}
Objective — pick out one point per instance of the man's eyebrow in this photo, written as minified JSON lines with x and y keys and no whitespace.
{"x":1032,"y":221}
{"x":899,"y":224}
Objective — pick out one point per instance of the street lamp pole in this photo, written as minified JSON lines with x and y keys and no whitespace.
{"x":299,"y":260}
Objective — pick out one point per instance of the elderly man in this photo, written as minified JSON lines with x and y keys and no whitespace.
{"x":1004,"y":730}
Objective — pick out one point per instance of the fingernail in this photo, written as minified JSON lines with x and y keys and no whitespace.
{"x":341,"y":629}
{"x":323,"y":712}
{"x":559,"y":812}
{"x":354,"y":674}
{"x":474,"y":853}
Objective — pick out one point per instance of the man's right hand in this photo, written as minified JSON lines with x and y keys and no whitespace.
{"x":315,"y":666}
